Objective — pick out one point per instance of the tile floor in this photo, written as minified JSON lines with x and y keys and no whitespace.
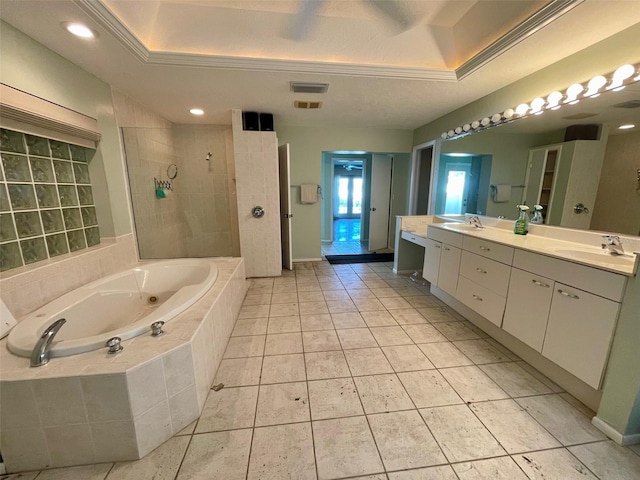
{"x":353,"y":372}
{"x":346,"y":238}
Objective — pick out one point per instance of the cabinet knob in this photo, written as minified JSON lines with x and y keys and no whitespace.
{"x":476,"y":297}
{"x":445,"y":248}
{"x":539,"y":283}
{"x":486,"y":249}
{"x":478,"y":269}
{"x":567,"y":294}
{"x":437,"y":246}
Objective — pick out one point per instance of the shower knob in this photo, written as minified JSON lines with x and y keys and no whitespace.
{"x":114,"y":345}
{"x":257,"y":212}
{"x":156,"y":329}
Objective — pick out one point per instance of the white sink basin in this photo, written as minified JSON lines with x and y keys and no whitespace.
{"x":461,"y":227}
{"x":597,"y":257}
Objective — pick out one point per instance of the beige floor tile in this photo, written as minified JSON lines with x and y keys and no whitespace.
{"x":283,"y":451}
{"x":575,"y":403}
{"x":360,"y":293}
{"x":336,"y":295}
{"x":289,"y":297}
{"x":254,"y":311}
{"x":368,"y":305}
{"x":316,"y":322}
{"x":354,"y":285}
{"x":348,"y":320}
{"x":310,"y":297}
{"x":428,"y":388}
{"x":460,"y":434}
{"x":563,"y":421}
{"x":283,"y":368}
{"x":321,"y":365}
{"x":320,"y":341}
{"x":502,"y":349}
{"x":285,"y":288}
{"x":331,"y":286}
{"x":228,"y":409}
{"x":424,"y":333}
{"x":283,"y":343}
{"x":257,"y":299}
{"x":456,"y":331}
{"x":379,"y":283}
{"x":345,"y":448}
{"x":444,"y":472}
{"x":309,"y":287}
{"x":513,"y":427}
{"x":422,"y":301}
{"x":260,"y":289}
{"x":334,"y":398}
{"x":380,"y":476}
{"x":238,"y":372}
{"x":382,"y":393}
{"x":436,"y":314}
{"x":341,"y":306}
{"x":250,"y":326}
{"x":389,"y":336}
{"x":284,"y":324}
{"x":356,"y":338}
{"x":406,"y":358}
{"x":404,"y":441}
{"x":407,"y":316}
{"x":502,"y":468}
{"x":161,"y":464}
{"x":282,"y":403}
{"x":543,"y":379}
{"x":481,"y":352}
{"x":635,"y":448}
{"x":444,"y":354}
{"x":217,"y":455}
{"x":385,"y":292}
{"x":514,"y":380}
{"x":407,"y":290}
{"x":86,"y":472}
{"x":367,"y":361}
{"x":558,"y":463}
{"x":472,"y":384}
{"x":188,"y":430}
{"x":311,"y":308}
{"x":239,"y":347}
{"x":284,"y":309}
{"x":395,"y":303}
{"x":379,"y":319}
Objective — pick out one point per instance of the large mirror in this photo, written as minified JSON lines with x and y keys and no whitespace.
{"x":575,"y":161}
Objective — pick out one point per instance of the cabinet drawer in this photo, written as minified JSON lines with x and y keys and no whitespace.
{"x":486,"y":272}
{"x":579,"y":332}
{"x":494,"y":251}
{"x":412,"y":237}
{"x":527,"y":310}
{"x":445,"y":236}
{"x":487,"y":303}
{"x":605,"y":284}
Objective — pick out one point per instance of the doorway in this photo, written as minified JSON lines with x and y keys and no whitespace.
{"x":461,"y":180}
{"x":422,"y":172}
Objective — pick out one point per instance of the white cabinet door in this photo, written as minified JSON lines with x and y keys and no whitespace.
{"x":449,"y":268}
{"x":579,"y":332}
{"x":480,"y":299}
{"x":528,"y":306}
{"x":431,"y":265}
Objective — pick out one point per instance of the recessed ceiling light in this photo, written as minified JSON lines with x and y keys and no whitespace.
{"x":79,"y":30}
{"x":626,"y":127}
{"x":196,"y":111}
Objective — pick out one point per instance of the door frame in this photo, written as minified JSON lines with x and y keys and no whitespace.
{"x":435,"y":145}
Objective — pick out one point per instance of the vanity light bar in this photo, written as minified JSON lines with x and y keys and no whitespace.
{"x":615,"y":81}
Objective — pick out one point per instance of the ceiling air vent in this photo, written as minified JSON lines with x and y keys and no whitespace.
{"x":298,"y":87}
{"x":307,"y":105}
{"x":629,"y":104}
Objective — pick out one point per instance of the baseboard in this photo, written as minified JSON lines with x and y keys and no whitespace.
{"x":615,"y":435}
{"x":299,"y":260}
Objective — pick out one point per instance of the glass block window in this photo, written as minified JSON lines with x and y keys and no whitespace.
{"x":46,"y":201}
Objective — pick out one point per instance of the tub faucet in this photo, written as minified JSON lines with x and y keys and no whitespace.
{"x":475,"y":221}
{"x":40,"y":353}
{"x":613,"y":244}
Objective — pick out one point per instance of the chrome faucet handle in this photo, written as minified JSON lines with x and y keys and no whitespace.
{"x":613,"y":244}
{"x":156,"y":328}
{"x":114,"y":345}
{"x":40,"y":353}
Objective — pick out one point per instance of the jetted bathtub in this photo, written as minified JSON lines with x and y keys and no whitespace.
{"x":121,"y":305}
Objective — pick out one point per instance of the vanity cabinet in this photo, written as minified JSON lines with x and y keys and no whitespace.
{"x":449,"y":268}
{"x":442,"y":259}
{"x":431,"y":265}
{"x":528,"y":306}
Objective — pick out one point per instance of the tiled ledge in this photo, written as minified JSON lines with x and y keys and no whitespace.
{"x":94,"y":407}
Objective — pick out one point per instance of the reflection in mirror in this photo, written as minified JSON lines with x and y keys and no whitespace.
{"x":574,"y":161}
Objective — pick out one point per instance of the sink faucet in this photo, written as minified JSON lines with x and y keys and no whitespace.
{"x":475,"y":221}
{"x":40,"y":353}
{"x":613,"y":244}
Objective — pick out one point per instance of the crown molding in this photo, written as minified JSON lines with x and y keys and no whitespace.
{"x":543,"y":17}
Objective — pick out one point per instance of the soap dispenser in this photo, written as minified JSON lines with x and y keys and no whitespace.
{"x":537,"y":215}
{"x":521,"y":226}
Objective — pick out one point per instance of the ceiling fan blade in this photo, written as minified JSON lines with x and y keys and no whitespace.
{"x":394,"y":12}
{"x":304,"y":19}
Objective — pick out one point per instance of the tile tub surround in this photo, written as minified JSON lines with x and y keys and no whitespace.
{"x":272,"y":422}
{"x":94,"y":407}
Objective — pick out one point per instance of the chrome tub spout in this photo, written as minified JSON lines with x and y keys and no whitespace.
{"x":40,"y":353}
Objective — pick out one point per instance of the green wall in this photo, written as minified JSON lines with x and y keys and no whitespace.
{"x":307,"y":147}
{"x":29,"y":66}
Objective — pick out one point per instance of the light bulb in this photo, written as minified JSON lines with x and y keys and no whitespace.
{"x":572,"y":93}
{"x":553,"y":100}
{"x":536,"y":105}
{"x":508,"y":113}
{"x":496,"y":117}
{"x":594,"y":86}
{"x":485,"y":121}
{"x":450,"y":133}
{"x":620,"y":75}
{"x":444,"y":135}
{"x":196,"y":111}
{"x":466,"y":127}
{"x":475,"y":124}
{"x":522,"y":109}
{"x":79,"y":30}
{"x":458,"y":130}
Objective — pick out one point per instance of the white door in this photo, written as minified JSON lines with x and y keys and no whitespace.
{"x":380,"y":201}
{"x":285,"y":205}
